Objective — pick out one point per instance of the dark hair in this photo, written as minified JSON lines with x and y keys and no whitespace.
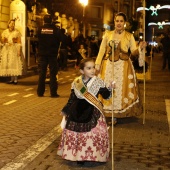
{"x":121,"y":14}
{"x":10,"y":22}
{"x":84,"y":61}
{"x":47,"y":19}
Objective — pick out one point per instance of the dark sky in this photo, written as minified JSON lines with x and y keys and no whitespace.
{"x":163,"y":15}
{"x":165,"y":2}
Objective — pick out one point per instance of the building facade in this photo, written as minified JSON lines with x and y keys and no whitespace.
{"x":4,"y":14}
{"x":98,"y":14}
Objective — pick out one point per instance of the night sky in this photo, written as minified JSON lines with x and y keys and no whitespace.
{"x":163,"y":15}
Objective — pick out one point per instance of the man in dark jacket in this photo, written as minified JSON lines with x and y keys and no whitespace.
{"x":166,"y":50}
{"x":64,"y":50}
{"x":49,"y":38}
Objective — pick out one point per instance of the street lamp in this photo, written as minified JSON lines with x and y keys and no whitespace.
{"x":84,"y":3}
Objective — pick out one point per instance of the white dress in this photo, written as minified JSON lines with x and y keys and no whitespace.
{"x":10,"y":62}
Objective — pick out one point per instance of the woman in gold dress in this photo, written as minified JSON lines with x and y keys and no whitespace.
{"x":126,"y":94}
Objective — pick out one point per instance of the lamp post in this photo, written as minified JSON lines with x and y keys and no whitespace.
{"x":144,"y":74}
{"x":84,"y":3}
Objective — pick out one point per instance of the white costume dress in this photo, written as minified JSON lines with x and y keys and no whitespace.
{"x":10,"y":62}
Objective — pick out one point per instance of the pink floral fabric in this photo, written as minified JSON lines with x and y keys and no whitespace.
{"x":86,"y":146}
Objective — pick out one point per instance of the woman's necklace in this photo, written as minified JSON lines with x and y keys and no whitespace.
{"x":119,"y":31}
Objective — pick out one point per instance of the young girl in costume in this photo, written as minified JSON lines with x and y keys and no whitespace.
{"x":85,"y":136}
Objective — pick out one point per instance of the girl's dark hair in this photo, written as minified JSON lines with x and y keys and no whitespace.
{"x":83,"y":62}
{"x":121,"y":14}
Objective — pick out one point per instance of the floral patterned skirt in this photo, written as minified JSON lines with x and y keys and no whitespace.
{"x":86,"y":146}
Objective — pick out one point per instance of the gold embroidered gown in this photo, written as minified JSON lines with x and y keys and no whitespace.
{"x":126,"y":101}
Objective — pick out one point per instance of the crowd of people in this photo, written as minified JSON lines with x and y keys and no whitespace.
{"x":107,"y":82}
{"x":82,"y":47}
{"x":85,"y":135}
{"x":55,"y":54}
{"x":92,"y":89}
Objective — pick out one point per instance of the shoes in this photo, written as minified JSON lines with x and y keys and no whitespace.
{"x":115,"y":121}
{"x":52,"y":96}
{"x":10,"y":82}
{"x":55,"y":96}
{"x":40,"y":95}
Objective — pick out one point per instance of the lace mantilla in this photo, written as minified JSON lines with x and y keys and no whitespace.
{"x":93,"y":86}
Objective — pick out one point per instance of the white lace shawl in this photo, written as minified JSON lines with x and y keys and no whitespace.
{"x":93,"y":86}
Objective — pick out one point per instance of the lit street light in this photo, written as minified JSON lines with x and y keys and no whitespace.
{"x":84,"y":3}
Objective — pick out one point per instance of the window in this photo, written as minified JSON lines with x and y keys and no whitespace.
{"x":94,"y":12}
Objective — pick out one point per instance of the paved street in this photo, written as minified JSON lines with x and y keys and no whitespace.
{"x":30,"y":132}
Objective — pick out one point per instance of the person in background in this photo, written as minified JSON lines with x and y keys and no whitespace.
{"x":148,"y":50}
{"x":63,"y":51}
{"x":49,"y":37}
{"x":34,"y":45}
{"x":10,"y":55}
{"x":126,"y":101}
{"x":70,"y":46}
{"x":79,"y":40}
{"x":85,"y":122}
{"x":81,"y":55}
{"x":166,"y":50}
{"x":94,"y":47}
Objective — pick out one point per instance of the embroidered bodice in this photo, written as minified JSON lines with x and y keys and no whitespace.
{"x":10,"y":35}
{"x":127,"y":42}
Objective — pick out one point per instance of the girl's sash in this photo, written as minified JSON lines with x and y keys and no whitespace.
{"x":79,"y":85}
